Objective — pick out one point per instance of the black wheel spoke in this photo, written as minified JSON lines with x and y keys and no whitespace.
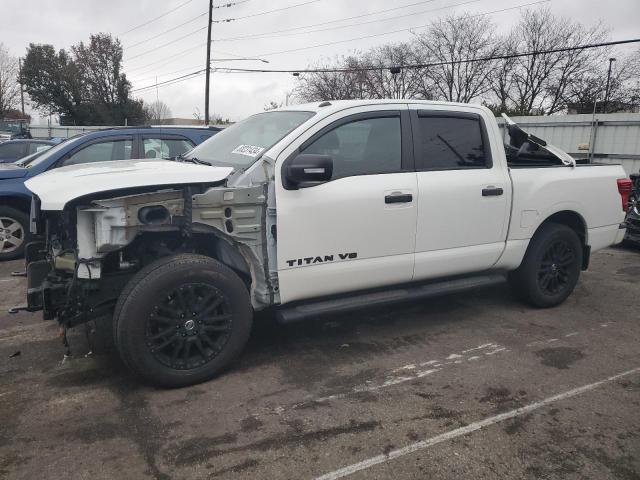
{"x":162,"y":334}
{"x":216,"y":319}
{"x":200,"y":347}
{"x":176,"y":350}
{"x":166,"y":343}
{"x":187,"y":350}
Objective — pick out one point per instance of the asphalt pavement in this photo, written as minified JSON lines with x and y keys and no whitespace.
{"x":472,"y":385}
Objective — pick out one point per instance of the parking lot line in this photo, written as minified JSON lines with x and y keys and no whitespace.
{"x":421,"y":445}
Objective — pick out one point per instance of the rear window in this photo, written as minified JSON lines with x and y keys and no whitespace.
{"x":12,"y":150}
{"x":450,"y":143}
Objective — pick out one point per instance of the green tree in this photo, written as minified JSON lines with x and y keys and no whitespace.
{"x":84,"y":87}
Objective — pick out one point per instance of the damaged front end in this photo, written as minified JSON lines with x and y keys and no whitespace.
{"x":87,"y":252}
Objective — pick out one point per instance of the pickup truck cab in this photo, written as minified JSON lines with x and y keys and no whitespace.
{"x":311,"y":209}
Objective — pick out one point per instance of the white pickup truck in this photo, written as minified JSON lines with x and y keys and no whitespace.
{"x":312,"y":209}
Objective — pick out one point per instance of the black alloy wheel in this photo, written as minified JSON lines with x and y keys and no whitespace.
{"x":555,"y":268}
{"x":189,"y":326}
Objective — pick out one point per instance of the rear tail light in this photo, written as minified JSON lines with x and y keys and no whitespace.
{"x":624,"y":187}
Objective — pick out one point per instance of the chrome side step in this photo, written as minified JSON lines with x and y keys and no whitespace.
{"x":405,"y":293}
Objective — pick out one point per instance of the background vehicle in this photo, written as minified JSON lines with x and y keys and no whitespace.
{"x":103,"y":145}
{"x":312,"y":209}
{"x":11,"y":129}
{"x":632,"y":236}
{"x":13,"y":150}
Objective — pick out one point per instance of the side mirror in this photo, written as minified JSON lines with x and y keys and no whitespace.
{"x":306,"y":169}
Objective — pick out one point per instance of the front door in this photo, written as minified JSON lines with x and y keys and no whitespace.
{"x":465,"y":193}
{"x":356,"y":231}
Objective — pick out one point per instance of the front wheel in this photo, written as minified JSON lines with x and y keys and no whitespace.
{"x":551,"y":267}
{"x":182,"y":319}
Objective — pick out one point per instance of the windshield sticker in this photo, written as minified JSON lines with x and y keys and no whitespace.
{"x":248,"y":150}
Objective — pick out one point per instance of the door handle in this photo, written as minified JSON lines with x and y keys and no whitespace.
{"x":492,"y":191}
{"x":398,"y":198}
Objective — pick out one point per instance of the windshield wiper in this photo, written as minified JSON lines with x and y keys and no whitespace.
{"x":182,"y":158}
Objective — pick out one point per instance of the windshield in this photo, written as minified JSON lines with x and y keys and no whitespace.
{"x":243,"y":143}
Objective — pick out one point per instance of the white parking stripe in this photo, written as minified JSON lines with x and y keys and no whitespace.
{"x":356,"y":467}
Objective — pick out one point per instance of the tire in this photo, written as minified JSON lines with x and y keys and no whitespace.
{"x":551,"y":267}
{"x":181,"y":320}
{"x":14,"y":233}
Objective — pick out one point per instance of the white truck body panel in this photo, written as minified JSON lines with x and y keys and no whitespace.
{"x":59,"y":186}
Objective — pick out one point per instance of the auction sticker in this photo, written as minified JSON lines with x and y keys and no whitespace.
{"x":248,"y":150}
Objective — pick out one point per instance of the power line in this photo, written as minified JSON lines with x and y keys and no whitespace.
{"x":409,"y":66}
{"x":226,"y":5}
{"x":226,"y":20}
{"x":168,"y":59}
{"x":151,"y":77}
{"x":165,"y":32}
{"x":156,"y":18}
{"x":391,"y":32}
{"x":430,"y":64}
{"x":253,"y":35}
{"x":171,"y":42}
{"x":413,"y":14}
{"x":181,"y":78}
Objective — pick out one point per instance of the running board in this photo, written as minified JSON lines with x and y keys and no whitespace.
{"x":394,"y":295}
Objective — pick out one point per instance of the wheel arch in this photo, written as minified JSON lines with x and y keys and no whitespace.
{"x":19,"y":202}
{"x":575,"y":222}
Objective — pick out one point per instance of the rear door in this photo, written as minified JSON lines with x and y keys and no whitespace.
{"x":464,"y":196}
{"x":357,"y":230}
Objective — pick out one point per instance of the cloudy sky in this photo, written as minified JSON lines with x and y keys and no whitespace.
{"x":174,"y":44}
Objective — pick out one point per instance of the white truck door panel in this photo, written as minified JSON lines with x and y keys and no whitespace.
{"x":464,"y":194}
{"x":354,"y":232}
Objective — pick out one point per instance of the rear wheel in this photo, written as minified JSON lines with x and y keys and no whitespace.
{"x":14,"y":228}
{"x":182,"y":319}
{"x":551,"y":267}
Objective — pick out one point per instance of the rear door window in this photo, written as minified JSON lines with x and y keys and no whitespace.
{"x":450,"y":142}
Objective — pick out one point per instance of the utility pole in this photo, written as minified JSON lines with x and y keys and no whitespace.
{"x":208,"y":66}
{"x":606,"y":90}
{"x":21,"y":89}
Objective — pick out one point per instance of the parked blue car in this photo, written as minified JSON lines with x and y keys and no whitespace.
{"x":103,"y":145}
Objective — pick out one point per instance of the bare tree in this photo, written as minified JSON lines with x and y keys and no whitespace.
{"x":541,"y":81}
{"x":332,"y":85}
{"x":272,"y":105}
{"x":449,"y":41}
{"x":589,"y":86}
{"x":158,"y":112}
{"x":389,"y":79}
{"x":9,"y":86}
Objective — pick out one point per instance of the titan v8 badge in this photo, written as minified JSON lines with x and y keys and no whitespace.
{"x":323,"y":259}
